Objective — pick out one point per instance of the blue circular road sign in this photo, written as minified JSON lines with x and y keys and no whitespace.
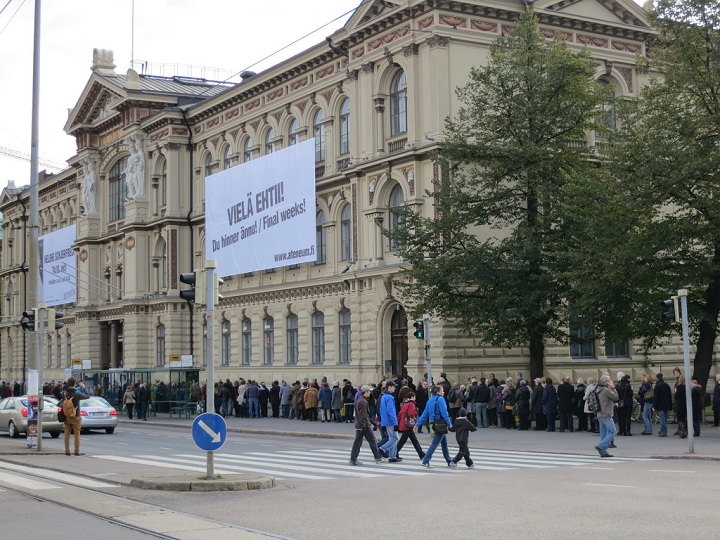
{"x":209,"y":431}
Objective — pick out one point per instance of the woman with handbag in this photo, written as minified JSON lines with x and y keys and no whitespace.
{"x":407,"y":420}
{"x":646,"y":394}
{"x":436,"y":412}
{"x":129,"y":400}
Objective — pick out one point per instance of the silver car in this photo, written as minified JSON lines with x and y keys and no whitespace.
{"x":97,"y":413}
{"x":14,"y":413}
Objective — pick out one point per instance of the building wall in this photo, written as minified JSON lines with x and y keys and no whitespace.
{"x":129,"y":268}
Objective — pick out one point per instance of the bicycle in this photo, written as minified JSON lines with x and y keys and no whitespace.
{"x":636,"y":414}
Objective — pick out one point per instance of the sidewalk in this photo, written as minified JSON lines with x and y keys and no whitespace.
{"x":707,"y":446}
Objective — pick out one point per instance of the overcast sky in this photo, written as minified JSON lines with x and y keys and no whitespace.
{"x":231,"y":35}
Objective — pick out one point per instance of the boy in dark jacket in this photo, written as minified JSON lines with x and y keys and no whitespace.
{"x":462,"y":428}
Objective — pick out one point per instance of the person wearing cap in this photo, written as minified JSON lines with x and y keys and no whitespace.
{"x":389,"y":420}
{"x":363,"y":429}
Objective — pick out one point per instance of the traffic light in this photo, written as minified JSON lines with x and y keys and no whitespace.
{"x":29,"y":320}
{"x":216,"y":290}
{"x":52,"y":318}
{"x":672,"y":307}
{"x":198,"y":286}
{"x":419,"y":329}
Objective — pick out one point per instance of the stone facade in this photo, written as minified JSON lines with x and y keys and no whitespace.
{"x":404,"y":59}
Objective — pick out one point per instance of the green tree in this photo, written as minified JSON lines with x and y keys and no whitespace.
{"x":488,"y":258}
{"x":651,"y":224}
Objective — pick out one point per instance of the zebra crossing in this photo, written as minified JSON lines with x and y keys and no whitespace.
{"x":35,"y":479}
{"x":324,"y":464}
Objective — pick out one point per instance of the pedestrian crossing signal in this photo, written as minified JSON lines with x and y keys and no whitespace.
{"x":672,"y":307}
{"x":419,"y":329}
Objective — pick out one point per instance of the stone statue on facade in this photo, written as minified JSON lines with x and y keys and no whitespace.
{"x":135,"y":169}
{"x":88,"y":186}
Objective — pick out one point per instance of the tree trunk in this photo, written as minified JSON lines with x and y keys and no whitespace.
{"x":537,"y":355}
{"x":707,"y":329}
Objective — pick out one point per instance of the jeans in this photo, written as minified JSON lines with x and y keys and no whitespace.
{"x":367,"y":434}
{"x":607,"y":433}
{"x":140,"y":410}
{"x":646,"y":416}
{"x":390,"y":447}
{"x":254,"y":405}
{"x":481,"y":414}
{"x":442,"y":441}
{"x":662,"y":415}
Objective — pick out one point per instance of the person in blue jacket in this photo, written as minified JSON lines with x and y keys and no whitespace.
{"x":436,"y":408}
{"x":389,"y":420}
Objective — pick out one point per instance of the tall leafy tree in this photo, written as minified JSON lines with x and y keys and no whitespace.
{"x":651,"y":225}
{"x":488,"y":257}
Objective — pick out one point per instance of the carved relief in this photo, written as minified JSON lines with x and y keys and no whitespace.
{"x":272,"y":96}
{"x":368,"y":67}
{"x":324,"y":72}
{"x":626,"y":47}
{"x":437,"y":41}
{"x":549,"y":33}
{"x":411,"y":50}
{"x":212,"y":123}
{"x":484,"y":26}
{"x":388,"y":38}
{"x":352,"y":74}
{"x":371,"y":187}
{"x":83,"y":256}
{"x":328,"y":95}
{"x":449,"y":20}
{"x":179,"y":131}
{"x":507,"y":29}
{"x":427,"y":22}
{"x":358,"y":53}
{"x":232,"y":114}
{"x":387,"y":282}
{"x":252,"y":105}
{"x":130,"y":243}
{"x":295,"y":85}
{"x":627,"y":76}
{"x":593,"y":41}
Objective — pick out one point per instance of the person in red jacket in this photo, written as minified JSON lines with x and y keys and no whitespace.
{"x":406,"y":422}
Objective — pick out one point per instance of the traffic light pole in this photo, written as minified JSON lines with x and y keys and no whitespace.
{"x":210,"y":267}
{"x":428,"y":363}
{"x":39,"y":389}
{"x":682,"y":293}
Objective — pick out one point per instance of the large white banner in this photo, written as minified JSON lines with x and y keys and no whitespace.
{"x":261,"y":214}
{"x":58,"y":266}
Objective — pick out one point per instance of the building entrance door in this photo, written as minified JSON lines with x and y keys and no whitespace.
{"x":399,"y":342}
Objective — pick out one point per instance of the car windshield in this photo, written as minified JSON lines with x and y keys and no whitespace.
{"x":95,"y":402}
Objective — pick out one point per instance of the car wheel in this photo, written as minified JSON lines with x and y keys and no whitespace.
{"x":12,"y":430}
{"x":109,"y":430}
{"x":54,"y":434}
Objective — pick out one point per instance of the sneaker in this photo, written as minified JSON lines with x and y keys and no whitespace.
{"x":383,"y":453}
{"x":395,"y":460}
{"x":381,"y":460}
{"x":605,"y":454}
{"x":452,"y":465}
{"x":612,"y":445}
{"x":426,"y":465}
{"x":355,"y":462}
{"x":471,"y":466}
{"x":662,"y":434}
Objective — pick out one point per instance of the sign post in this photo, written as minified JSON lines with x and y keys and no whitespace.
{"x":682,"y":293}
{"x":209,"y":432}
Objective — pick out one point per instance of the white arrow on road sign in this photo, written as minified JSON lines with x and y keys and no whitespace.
{"x":206,"y":429}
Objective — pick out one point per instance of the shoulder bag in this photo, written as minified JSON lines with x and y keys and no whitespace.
{"x":439,"y":424}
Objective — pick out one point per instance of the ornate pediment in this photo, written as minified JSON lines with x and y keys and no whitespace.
{"x":612,"y":11}
{"x":96,"y":104}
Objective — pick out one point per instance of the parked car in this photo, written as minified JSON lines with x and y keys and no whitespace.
{"x":97,"y":413}
{"x":14,"y":413}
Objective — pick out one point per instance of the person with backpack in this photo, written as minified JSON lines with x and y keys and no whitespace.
{"x":71,"y":407}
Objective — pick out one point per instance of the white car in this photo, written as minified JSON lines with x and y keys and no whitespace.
{"x":97,"y":413}
{"x":14,"y":413}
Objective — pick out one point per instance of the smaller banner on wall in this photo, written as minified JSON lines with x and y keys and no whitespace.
{"x":261,"y":214}
{"x":58,"y":266}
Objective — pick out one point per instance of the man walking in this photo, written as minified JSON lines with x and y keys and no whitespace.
{"x":388,"y":420}
{"x":363,"y":429}
{"x":662,"y":402}
{"x":607,"y":396}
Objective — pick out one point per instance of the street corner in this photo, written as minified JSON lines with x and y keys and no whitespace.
{"x":227,"y":482}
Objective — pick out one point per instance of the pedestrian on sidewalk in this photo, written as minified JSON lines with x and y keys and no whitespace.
{"x":129,"y":400}
{"x":363,"y":429}
{"x":436,"y":409}
{"x":662,"y":402}
{"x":285,"y":395}
{"x":645,"y":398}
{"x":716,"y":401}
{"x":336,"y":403}
{"x":607,"y":397}
{"x":462,"y":428}
{"x":325,"y":402}
{"x":142,"y":402}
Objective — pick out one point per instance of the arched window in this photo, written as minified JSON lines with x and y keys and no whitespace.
{"x":345,"y":127}
{"x":318,"y":337}
{"x":397,"y":198}
{"x":320,"y":238}
{"x":346,"y":234}
{"x":292,"y":339}
{"x":319,"y":134}
{"x":293,"y":133}
{"x":117,"y":190}
{"x":607,"y":117}
{"x":247,"y":152}
{"x":398,"y":104}
{"x":246,"y":342}
{"x":227,"y":160}
{"x":269,"y":137}
{"x":268,"y":341}
{"x":208,"y":165}
{"x":160,"y":346}
{"x":345,"y":333}
{"x":225,"y":342}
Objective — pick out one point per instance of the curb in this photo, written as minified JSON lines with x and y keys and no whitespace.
{"x":242,"y":482}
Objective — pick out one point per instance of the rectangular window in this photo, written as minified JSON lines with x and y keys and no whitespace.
{"x":318,"y":338}
{"x":617,"y":350}
{"x":117,"y":191}
{"x":345,"y":333}
{"x":246,"y":342}
{"x":582,"y":341}
{"x":160,"y":346}
{"x":292,"y":340}
{"x":225,"y":343}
